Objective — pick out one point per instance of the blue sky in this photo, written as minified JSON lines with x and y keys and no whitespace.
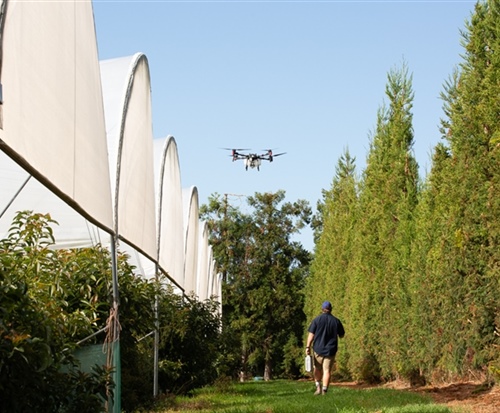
{"x":302,"y":77}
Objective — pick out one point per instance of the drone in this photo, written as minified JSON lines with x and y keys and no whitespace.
{"x":253,"y":160}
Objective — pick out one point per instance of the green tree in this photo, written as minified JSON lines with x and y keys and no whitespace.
{"x":230,"y":231}
{"x":264,"y":271}
{"x":52,"y":300}
{"x":330,"y":269}
{"x":384,"y":232}
{"x":429,"y":289}
{"x":190,"y":351}
{"x":466,"y":248}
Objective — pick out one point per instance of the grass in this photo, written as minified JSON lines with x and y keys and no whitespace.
{"x":282,"y":396}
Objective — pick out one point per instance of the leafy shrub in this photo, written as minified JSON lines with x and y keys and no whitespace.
{"x":52,"y":299}
{"x":35,"y":327}
{"x":189,"y":341}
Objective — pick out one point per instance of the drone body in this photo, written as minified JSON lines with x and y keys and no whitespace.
{"x":253,"y":160}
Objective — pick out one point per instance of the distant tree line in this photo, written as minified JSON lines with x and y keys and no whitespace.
{"x":413,"y":265}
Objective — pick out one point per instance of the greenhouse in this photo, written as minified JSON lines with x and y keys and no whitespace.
{"x":76,"y":142}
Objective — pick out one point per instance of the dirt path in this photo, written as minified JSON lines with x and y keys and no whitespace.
{"x":475,"y":396}
{"x":471,"y":397}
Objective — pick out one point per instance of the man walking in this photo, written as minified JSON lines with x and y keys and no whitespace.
{"x":324,"y":332}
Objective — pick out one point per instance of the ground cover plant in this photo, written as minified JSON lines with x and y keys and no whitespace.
{"x":287,"y":396}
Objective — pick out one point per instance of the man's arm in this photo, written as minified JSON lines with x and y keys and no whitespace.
{"x":340,"y":330}
{"x":309,"y":342}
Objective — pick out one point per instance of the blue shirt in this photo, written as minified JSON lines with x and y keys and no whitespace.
{"x":326,"y":329}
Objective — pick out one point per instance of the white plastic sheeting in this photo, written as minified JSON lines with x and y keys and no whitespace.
{"x":169,"y":209}
{"x":203,"y":264}
{"x":76,"y":142}
{"x":52,"y":112}
{"x":191,"y":236}
{"x":20,"y":191}
{"x":127,"y":106}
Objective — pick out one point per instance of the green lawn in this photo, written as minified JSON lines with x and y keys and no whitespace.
{"x":282,"y":396}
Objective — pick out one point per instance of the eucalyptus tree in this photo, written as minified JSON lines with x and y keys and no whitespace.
{"x":264,"y":272}
{"x":384,"y":231}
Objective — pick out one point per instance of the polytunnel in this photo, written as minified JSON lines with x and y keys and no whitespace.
{"x":127,"y":106}
{"x":76,"y":142}
{"x":214,"y":278}
{"x":203,"y":268}
{"x":191,"y":236}
{"x":52,"y":123}
{"x":52,"y":118}
{"x":169,"y":208}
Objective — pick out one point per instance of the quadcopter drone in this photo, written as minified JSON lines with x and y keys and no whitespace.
{"x":253,"y":160}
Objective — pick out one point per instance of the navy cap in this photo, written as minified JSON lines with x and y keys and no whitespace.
{"x":327,"y":305}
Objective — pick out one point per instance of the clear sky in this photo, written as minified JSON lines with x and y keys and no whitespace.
{"x":302,"y":77}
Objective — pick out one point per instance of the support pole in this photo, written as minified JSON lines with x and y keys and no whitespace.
{"x":115,"y":403}
{"x":15,"y":196}
{"x":156,"y":350}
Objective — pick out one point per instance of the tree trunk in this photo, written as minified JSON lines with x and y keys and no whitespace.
{"x":243,"y":371}
{"x":267,"y":370}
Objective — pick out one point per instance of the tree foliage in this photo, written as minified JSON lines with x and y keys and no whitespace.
{"x":51,"y":300}
{"x":418,"y":269}
{"x":263,"y":272}
{"x":189,"y":343}
{"x":466,"y":247}
{"x":39,"y":326}
{"x":333,"y":252}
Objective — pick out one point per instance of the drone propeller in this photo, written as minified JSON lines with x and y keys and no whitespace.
{"x":234,"y":149}
{"x":269,"y":156}
{"x":270,"y":152}
{"x":235,"y":154}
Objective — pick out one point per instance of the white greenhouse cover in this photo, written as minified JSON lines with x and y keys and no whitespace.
{"x":191,"y":236}
{"x":169,"y":209}
{"x":203,"y":267}
{"x":212,"y":277}
{"x":127,"y":105}
{"x":19,"y":191}
{"x":76,"y":142}
{"x":52,"y":112}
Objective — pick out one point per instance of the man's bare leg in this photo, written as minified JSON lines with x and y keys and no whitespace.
{"x":326,"y":379}
{"x":328,"y":363}
{"x":318,"y":377}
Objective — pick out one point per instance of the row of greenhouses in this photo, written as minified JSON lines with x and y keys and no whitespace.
{"x":77,"y":143}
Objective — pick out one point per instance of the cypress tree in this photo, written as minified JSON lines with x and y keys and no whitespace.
{"x":466,"y":265}
{"x":329,"y":274}
{"x":383,"y":238}
{"x":429,"y":290}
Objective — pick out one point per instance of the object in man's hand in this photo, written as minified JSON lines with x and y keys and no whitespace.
{"x":308,"y":363}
